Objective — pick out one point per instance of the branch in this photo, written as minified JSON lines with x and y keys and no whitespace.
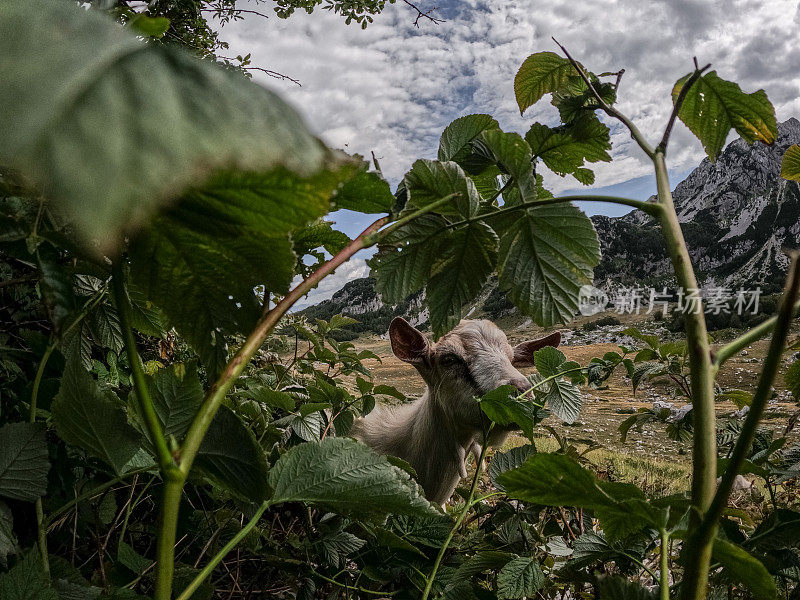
{"x":274,"y":74}
{"x":424,"y":14}
{"x":650,"y":208}
{"x":722,"y":355}
{"x":610,"y":110}
{"x":760,"y":399}
{"x":217,"y":392}
{"x":228,"y":14}
{"x":679,"y":102}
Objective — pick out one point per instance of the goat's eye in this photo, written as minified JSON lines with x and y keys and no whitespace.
{"x":449,"y":360}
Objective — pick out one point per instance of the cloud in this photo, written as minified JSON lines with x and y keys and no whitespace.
{"x":393,"y":88}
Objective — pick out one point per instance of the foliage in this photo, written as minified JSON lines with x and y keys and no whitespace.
{"x":150,"y":367}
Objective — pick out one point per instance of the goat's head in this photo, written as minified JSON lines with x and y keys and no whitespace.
{"x":472,"y":359}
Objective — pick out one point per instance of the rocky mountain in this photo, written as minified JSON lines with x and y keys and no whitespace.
{"x":737,"y":214}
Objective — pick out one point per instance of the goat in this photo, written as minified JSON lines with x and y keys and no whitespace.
{"x":435,"y":433}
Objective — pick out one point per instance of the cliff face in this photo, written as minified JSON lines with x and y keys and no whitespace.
{"x":737,"y":214}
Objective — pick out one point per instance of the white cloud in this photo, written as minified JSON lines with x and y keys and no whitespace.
{"x":392,"y":88}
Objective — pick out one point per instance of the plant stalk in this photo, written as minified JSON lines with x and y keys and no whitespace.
{"x":704,"y":459}
{"x":462,"y":515}
{"x":664,"y":560}
{"x":219,"y":556}
{"x":167,"y":528}
{"x":762,"y":394}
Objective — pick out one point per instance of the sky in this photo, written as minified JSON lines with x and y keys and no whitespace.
{"x":391,"y":89}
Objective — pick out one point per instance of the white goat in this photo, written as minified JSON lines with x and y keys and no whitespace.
{"x":435,"y":433}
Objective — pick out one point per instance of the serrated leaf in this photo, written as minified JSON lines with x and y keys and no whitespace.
{"x":132,"y":559}
{"x":231,"y":456}
{"x":565,"y":149}
{"x":512,"y":155}
{"x":200,"y":261}
{"x":455,"y":143}
{"x":503,"y":408}
{"x":24,"y":461}
{"x":713,"y":106}
{"x":519,"y":578}
{"x":403,"y":264}
{"x":429,"y":181}
{"x":25,"y":581}
{"x":505,"y":461}
{"x":90,"y":417}
{"x":546,"y":255}
{"x":745,"y":569}
{"x":56,"y":286}
{"x":618,"y":588}
{"x":348,"y":477}
{"x":790,"y":165}
{"x":564,"y":399}
{"x":8,"y":541}
{"x":458,"y":277}
{"x":540,"y":74}
{"x":154,"y":27}
{"x":740,"y":398}
{"x":367,"y":192}
{"x":74,"y":122}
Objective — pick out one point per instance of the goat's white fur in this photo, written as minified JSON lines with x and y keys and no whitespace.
{"x":435,"y":433}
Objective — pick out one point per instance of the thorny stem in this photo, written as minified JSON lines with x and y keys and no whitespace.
{"x":763,"y":391}
{"x":219,"y":556}
{"x":470,"y":502}
{"x":379,"y":235}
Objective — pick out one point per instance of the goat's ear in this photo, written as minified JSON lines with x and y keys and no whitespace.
{"x":523,"y":353}
{"x":408,"y":344}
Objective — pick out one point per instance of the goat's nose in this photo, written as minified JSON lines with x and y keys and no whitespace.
{"x":521,"y":383}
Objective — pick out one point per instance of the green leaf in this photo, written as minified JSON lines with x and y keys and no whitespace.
{"x":389,"y":390}
{"x":74,"y":124}
{"x":429,"y":181}
{"x":23,"y":461}
{"x":91,"y":418}
{"x":403,"y":263}
{"x":177,"y":395}
{"x":745,"y":569}
{"x":272,"y":398}
{"x":458,"y":277}
{"x":565,"y":149}
{"x":25,"y":581}
{"x":348,"y":477}
{"x":553,"y":479}
{"x":367,"y":192}
{"x":740,"y":398}
{"x":502,"y":407}
{"x":8,"y":541}
{"x":104,"y":326}
{"x":132,"y":559}
{"x":456,"y":140}
{"x":505,"y":461}
{"x":231,"y":456}
{"x":619,"y":588}
{"x":145,"y":316}
{"x":564,"y":399}
{"x":540,"y":74}
{"x":56,"y":286}
{"x":790,"y":166}
{"x":154,"y":27}
{"x":521,"y":577}
{"x":713,"y":106}
{"x":546,"y":255}
{"x":512,"y":155}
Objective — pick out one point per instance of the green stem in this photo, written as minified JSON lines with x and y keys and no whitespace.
{"x":92,"y":493}
{"x":664,"y":580}
{"x":547,"y":379}
{"x":349,"y":587}
{"x":462,"y":515}
{"x":756,"y":333}
{"x":704,"y":460}
{"x":744,"y":442}
{"x":146,"y":407}
{"x":167,"y":528}
{"x":650,"y":208}
{"x":219,"y":556}
{"x":375,"y":237}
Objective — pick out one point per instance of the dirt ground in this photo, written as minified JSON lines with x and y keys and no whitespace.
{"x":604,"y":409}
